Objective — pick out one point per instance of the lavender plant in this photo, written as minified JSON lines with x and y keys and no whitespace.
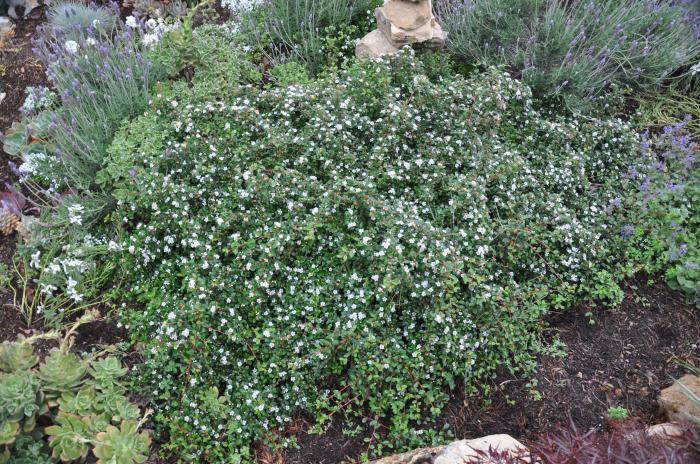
{"x":101,"y":77}
{"x":576,"y":49}
{"x":300,"y":28}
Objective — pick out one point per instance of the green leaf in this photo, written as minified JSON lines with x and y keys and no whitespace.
{"x":8,"y":432}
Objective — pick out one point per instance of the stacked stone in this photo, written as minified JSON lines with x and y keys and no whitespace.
{"x":399,"y":23}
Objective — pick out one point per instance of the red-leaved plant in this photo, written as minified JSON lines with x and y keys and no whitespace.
{"x":627,"y":443}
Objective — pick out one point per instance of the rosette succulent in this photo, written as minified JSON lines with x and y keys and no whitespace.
{"x":17,"y":357}
{"x":106,"y":371}
{"x":21,"y":401}
{"x":124,"y":445}
{"x":70,"y":438}
{"x":78,"y":399}
{"x":61,"y":372}
{"x":82,"y":403}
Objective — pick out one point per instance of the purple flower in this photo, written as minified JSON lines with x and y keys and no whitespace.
{"x":627,"y":232}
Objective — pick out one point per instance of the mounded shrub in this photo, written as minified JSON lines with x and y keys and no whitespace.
{"x":354,"y":246}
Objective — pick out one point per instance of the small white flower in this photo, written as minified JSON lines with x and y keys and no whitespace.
{"x":131,"y":22}
{"x":35,"y":261}
{"x":71,"y":46}
{"x":75,"y":214}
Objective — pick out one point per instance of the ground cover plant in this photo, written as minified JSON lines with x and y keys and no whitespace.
{"x":295,"y":235}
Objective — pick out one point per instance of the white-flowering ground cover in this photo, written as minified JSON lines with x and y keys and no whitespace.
{"x":357,"y":244}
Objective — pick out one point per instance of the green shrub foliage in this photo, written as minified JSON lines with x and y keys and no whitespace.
{"x":80,"y":401}
{"x":354,"y":245}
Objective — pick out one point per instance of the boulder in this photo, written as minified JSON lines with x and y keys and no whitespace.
{"x":675,"y":400}
{"x":418,"y":456}
{"x":374,"y":45}
{"x":407,"y":15}
{"x":399,"y":36}
{"x":402,"y":22}
{"x":461,"y":451}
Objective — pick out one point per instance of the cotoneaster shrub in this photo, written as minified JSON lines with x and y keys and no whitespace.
{"x":353,"y":246}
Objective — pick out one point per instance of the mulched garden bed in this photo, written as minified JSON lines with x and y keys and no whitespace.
{"x":624,"y":359}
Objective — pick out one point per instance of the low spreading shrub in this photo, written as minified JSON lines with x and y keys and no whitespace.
{"x":79,"y":402}
{"x":354,"y":245}
{"x":574,"y":49}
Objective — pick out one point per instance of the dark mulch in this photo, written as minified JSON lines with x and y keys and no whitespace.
{"x":624,"y":359}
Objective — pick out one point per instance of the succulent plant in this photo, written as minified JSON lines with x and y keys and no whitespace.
{"x":9,"y":430}
{"x":96,"y":423}
{"x":118,"y":408}
{"x":85,"y":400}
{"x":21,"y":401}
{"x":69,"y":439}
{"x":124,"y":445}
{"x":61,"y":372}
{"x":30,"y":449}
{"x":157,"y":8}
{"x":106,"y":371}
{"x":17,"y":357}
{"x":82,"y":403}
